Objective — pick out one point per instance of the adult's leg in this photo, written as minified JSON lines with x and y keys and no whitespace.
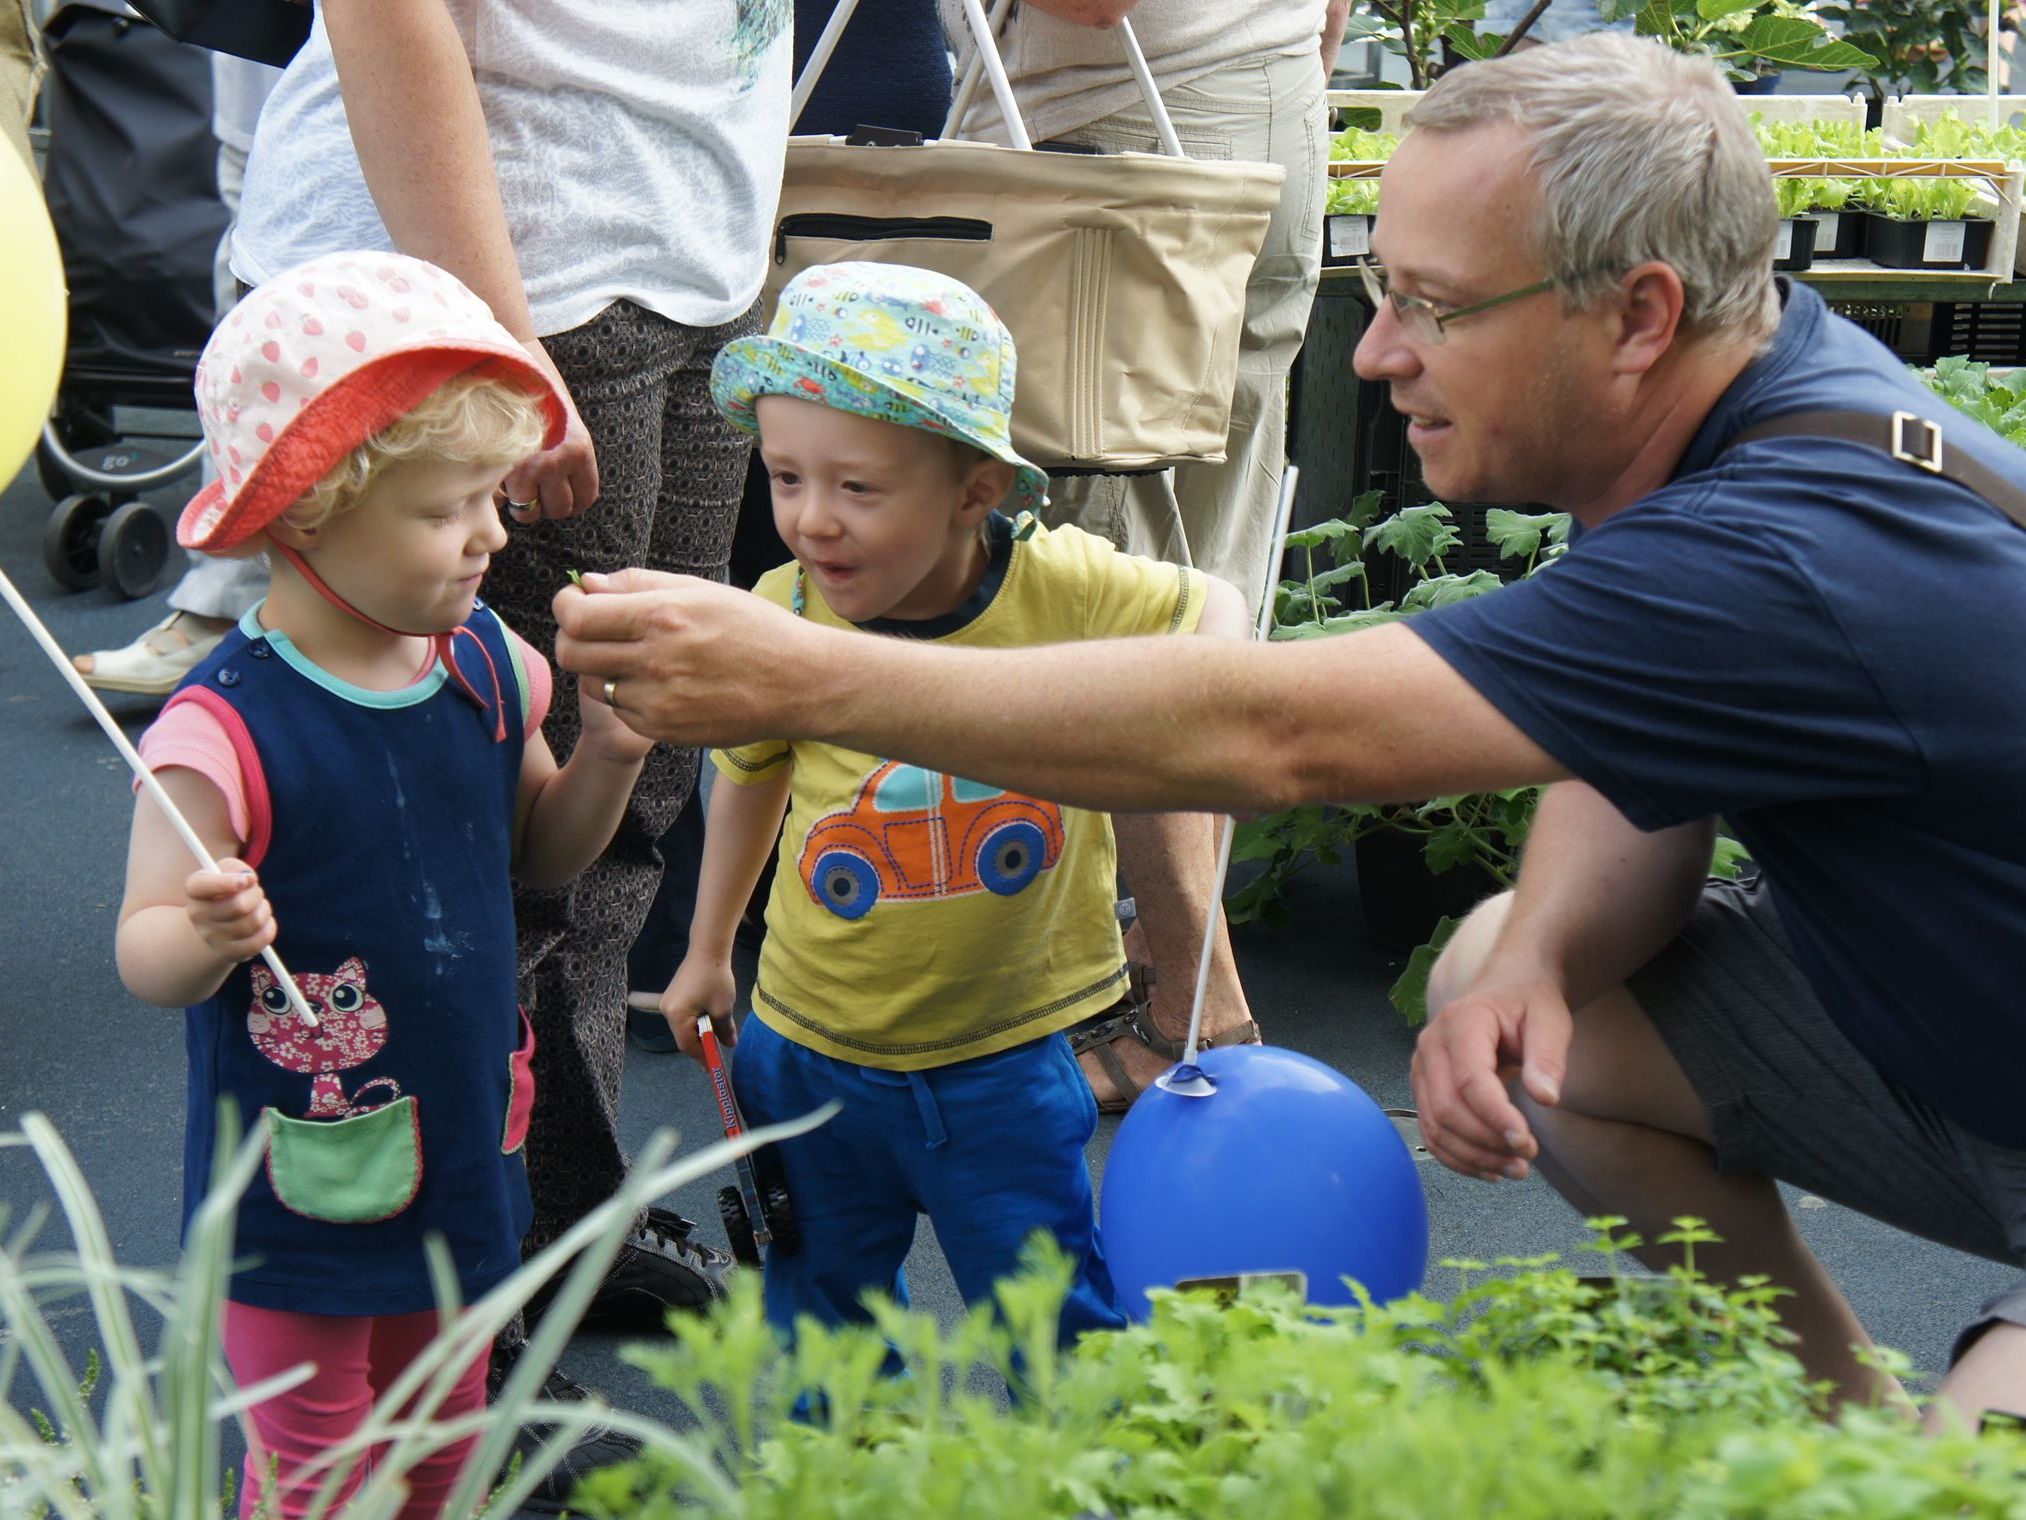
{"x":20,"y":72}
{"x":1169,"y":862}
{"x":1689,"y":1091}
{"x":572,"y":957}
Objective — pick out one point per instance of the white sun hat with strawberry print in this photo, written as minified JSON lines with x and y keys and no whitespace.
{"x":319,"y":359}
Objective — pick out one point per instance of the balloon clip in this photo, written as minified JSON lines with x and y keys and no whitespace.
{"x":1187,"y":1080}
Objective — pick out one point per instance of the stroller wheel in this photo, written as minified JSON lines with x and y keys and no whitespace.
{"x":133,"y":546}
{"x":70,"y":542}
{"x":781,"y":1221}
{"x":738,"y":1227}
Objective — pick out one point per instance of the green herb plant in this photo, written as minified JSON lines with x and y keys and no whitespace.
{"x":1357,"y":197}
{"x":136,"y":1436}
{"x":1533,"y":1393}
{"x":1921,"y":200}
{"x":1970,"y":387}
{"x":1800,"y":194}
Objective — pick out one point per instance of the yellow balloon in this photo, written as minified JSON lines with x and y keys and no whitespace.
{"x":31,"y":312}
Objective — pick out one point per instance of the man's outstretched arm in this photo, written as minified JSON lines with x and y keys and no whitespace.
{"x":1117,"y":724}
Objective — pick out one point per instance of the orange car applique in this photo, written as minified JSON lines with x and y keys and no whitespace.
{"x":915,"y":834}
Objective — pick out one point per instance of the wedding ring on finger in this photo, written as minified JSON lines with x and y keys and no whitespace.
{"x":522,"y":506}
{"x":612,"y":692}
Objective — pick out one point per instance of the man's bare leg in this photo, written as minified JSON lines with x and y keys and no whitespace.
{"x":1630,"y":1137}
{"x":1990,"y":1376}
{"x":1169,"y":861}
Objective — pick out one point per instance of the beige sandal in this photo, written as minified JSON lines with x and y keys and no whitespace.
{"x":155,"y":662}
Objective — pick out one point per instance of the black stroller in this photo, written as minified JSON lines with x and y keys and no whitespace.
{"x":131,"y":182}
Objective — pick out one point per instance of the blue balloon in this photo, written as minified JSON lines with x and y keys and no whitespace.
{"x":1287,"y":1167}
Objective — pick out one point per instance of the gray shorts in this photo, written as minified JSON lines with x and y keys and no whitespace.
{"x":1790,"y":1097}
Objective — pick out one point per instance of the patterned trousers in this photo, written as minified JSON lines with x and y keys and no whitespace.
{"x":670,"y":471}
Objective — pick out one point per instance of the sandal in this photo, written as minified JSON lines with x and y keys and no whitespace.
{"x":157,"y":661}
{"x":1127,"y":1020}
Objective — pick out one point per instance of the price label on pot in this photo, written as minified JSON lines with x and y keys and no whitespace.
{"x":1783,"y":245}
{"x":1826,"y":223}
{"x":1350,"y":237}
{"x":1944,"y":244}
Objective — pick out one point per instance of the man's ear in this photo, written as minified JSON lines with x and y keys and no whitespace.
{"x":1651,"y":299}
{"x":986,"y":484}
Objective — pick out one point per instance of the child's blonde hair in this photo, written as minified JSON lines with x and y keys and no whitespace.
{"x":472,"y":417}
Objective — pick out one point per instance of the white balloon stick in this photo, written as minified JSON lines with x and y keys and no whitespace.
{"x":139,"y":767}
{"x":1283,"y":514}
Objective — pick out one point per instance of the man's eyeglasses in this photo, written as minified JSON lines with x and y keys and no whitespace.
{"x":1424,"y":319}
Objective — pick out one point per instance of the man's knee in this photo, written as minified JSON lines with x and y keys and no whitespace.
{"x":1468,"y":948}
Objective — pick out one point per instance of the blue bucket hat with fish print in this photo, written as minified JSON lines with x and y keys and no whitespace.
{"x":890,"y":342}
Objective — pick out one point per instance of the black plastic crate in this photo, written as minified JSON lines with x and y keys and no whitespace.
{"x":1905,"y":327}
{"x":1993,"y":332}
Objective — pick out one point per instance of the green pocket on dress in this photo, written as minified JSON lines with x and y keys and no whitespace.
{"x":347,"y":1171}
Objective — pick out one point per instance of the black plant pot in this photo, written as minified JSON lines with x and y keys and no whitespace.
{"x":1404,"y":900}
{"x":1839,"y":234}
{"x":1908,"y":245}
{"x":1796,"y":248}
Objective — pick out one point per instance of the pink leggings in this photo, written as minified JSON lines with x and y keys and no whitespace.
{"x":357,"y":1357}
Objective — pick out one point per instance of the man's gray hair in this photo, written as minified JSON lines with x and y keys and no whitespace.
{"x":1642,"y":153}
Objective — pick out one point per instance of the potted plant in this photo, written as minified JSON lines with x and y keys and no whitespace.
{"x":1794,"y":249}
{"x":1352,"y":206}
{"x":1924,"y":223}
{"x":1836,"y":235}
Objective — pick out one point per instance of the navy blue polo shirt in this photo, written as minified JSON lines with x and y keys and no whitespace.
{"x":1829,"y":649}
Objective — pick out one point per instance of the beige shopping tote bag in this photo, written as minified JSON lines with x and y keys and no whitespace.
{"x":1122,"y":276}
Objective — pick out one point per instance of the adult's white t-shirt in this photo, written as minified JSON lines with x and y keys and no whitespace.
{"x":1066,"y":75}
{"x":638,"y":144}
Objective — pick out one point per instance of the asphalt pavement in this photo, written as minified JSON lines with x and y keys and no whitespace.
{"x":109,"y":1071}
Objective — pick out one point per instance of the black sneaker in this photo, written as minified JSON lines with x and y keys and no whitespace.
{"x":660,"y":1266}
{"x":597,"y":1448}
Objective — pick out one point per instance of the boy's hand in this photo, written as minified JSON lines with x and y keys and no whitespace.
{"x":701,"y":985}
{"x":228,"y":908}
{"x":605,"y":730}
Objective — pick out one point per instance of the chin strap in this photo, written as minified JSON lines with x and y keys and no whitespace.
{"x":443,"y":643}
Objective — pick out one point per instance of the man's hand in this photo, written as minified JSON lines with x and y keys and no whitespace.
{"x":558,"y":482}
{"x":693,"y":662}
{"x":1461,"y":1062}
{"x":606,"y":731}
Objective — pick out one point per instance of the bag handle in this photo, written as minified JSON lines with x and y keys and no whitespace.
{"x":1905,"y":436}
{"x":984,"y":62}
{"x":1136,"y":59}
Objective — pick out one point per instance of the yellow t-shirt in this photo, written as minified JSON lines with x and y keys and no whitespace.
{"x":919,"y":919}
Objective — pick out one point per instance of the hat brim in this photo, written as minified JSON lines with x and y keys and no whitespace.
{"x":340,"y":418}
{"x":749,"y":368}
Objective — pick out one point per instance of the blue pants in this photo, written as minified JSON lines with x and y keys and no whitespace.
{"x":990,"y":1149}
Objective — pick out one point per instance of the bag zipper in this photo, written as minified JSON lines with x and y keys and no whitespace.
{"x":867,"y":229}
